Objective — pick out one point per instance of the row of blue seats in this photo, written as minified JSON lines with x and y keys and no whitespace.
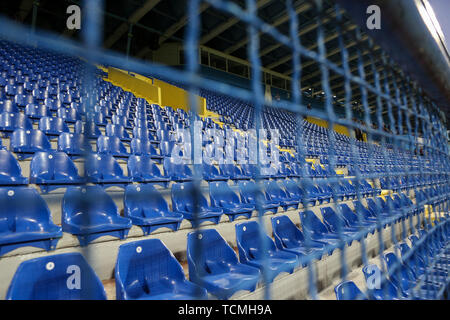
{"x":214,"y":270}
{"x":89,"y":212}
{"x":420,"y":274}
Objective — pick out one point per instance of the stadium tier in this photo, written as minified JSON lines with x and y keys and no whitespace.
{"x":238,"y":198}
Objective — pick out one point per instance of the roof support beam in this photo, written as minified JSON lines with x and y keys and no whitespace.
{"x":228,"y":24}
{"x":180,"y":24}
{"x":282,"y":19}
{"x":312,"y":47}
{"x":135,"y":17}
{"x":24,"y":9}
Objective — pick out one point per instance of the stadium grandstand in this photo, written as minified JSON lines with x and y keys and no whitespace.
{"x":224,"y":149}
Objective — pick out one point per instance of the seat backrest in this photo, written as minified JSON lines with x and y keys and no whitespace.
{"x":106,"y":144}
{"x":102,"y":164}
{"x":72,"y":143}
{"x":30,"y":138}
{"x":9,"y":166}
{"x":12,"y":121}
{"x":213,"y":248}
{"x":311,"y":222}
{"x":182,"y":197}
{"x":348,"y":290}
{"x":220,"y":191}
{"x":91,"y":201}
{"x":286,"y":232}
{"x":142,"y":265}
{"x":348,"y":214}
{"x":144,"y":201}
{"x":65,"y":276}
{"x":332,"y":220}
{"x":53,"y":124}
{"x":142,"y":147}
{"x":274,"y":190}
{"x":51,"y":165}
{"x":248,"y":240}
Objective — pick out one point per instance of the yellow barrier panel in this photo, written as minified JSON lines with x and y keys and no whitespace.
{"x":140,"y":88}
{"x":338,"y":128}
{"x":177,"y":97}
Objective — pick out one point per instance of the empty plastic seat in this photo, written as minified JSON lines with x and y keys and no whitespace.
{"x":73,"y":144}
{"x":249,"y":193}
{"x":277,"y":194}
{"x":103,"y":169}
{"x":223,"y":197}
{"x":348,"y":290}
{"x":10,"y":171}
{"x":49,"y":278}
{"x":232,"y":171}
{"x":116,"y":130}
{"x":36,"y":111}
{"x":89,"y":213}
{"x":89,"y":129}
{"x":10,"y":121}
{"x":216,"y":266}
{"x":146,"y":208}
{"x":53,"y":126}
{"x":291,"y":239}
{"x":177,"y":171}
{"x":317,"y":229}
{"x":26,"y":142}
{"x":25,"y":220}
{"x":211,"y":173}
{"x":69,"y":115}
{"x":147,"y":270}
{"x":387,"y":291}
{"x":143,"y":169}
{"x":183,"y":202}
{"x":337,"y":225}
{"x":53,"y":170}
{"x":8,"y":106}
{"x":113,"y":146}
{"x":144,"y":148}
{"x":250,"y":251}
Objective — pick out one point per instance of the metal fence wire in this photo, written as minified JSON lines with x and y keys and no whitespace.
{"x":406,"y":152}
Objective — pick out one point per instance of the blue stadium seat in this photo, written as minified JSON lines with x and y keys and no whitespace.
{"x":146,"y":208}
{"x":89,"y":129}
{"x":25,"y":220}
{"x":386,"y":291}
{"x":147,"y":270}
{"x":70,"y":115}
{"x":317,"y":230}
{"x":53,"y":170}
{"x":143,"y":148}
{"x":73,"y":144}
{"x":103,"y":169}
{"x":10,"y":121}
{"x":36,"y":111}
{"x":89,"y":213}
{"x":232,"y":171}
{"x":336,"y":224}
{"x":179,"y":172}
{"x":183,"y":202}
{"x":53,"y":126}
{"x":116,"y":130}
{"x":223,"y":197}
{"x":211,"y":173}
{"x":248,"y":192}
{"x":216,"y":266}
{"x":26,"y":142}
{"x":352,"y":219}
{"x":8,"y":106}
{"x":143,"y":169}
{"x":250,"y":251}
{"x":52,"y":278}
{"x":348,"y":290}
{"x":291,"y":239}
{"x":112,"y":145}
{"x":277,"y":194}
{"x":10,"y":171}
